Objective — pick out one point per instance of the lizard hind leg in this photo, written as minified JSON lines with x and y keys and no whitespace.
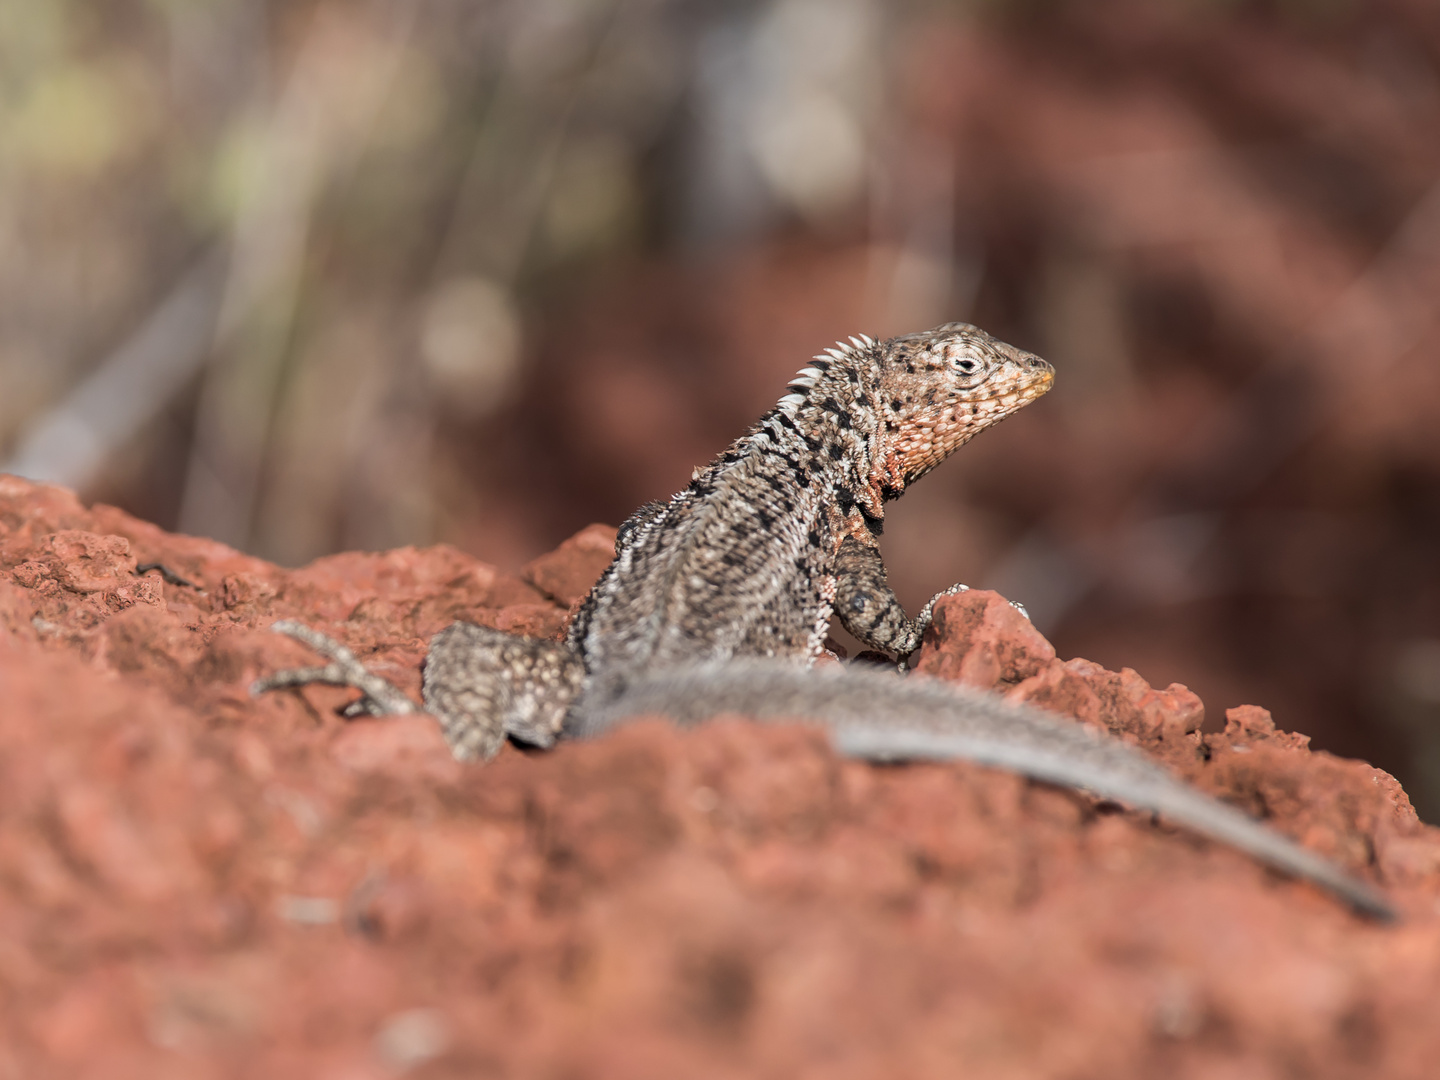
{"x":484,"y":685}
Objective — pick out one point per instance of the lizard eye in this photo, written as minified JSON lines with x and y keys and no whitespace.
{"x":965,"y":365}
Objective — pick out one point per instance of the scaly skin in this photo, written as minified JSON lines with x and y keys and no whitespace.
{"x":746,"y":561}
{"x":719,"y":599}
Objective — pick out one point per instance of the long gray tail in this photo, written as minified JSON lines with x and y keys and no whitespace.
{"x":880,"y":717}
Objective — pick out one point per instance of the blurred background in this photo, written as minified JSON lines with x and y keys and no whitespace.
{"x":308,"y":276}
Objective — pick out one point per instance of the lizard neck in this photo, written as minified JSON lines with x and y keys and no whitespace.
{"x":832,"y":406}
{"x":822,"y":445}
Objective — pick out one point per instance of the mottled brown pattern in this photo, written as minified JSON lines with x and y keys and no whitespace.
{"x":719,"y":599}
{"x":744,"y":561}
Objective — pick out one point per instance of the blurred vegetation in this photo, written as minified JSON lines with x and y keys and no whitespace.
{"x":306,"y":276}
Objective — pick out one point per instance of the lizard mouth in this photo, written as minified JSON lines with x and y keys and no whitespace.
{"x":1022,"y":392}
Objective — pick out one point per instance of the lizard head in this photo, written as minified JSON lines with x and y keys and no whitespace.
{"x":938,"y":389}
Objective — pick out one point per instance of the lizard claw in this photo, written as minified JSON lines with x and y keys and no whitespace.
{"x":379,"y":698}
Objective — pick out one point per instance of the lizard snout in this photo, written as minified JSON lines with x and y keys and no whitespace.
{"x":1040,"y":371}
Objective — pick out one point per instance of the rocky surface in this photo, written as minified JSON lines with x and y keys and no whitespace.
{"x":195,"y":884}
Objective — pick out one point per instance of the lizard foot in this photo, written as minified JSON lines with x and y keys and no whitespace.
{"x":379,"y":698}
{"x":927,"y":615}
{"x":922,"y":624}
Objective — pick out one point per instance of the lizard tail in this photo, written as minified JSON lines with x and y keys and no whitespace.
{"x":876,"y":715}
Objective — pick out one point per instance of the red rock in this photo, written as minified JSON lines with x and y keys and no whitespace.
{"x":1250,"y":725}
{"x":195,"y":883}
{"x":531,"y":620}
{"x":1121,"y":704}
{"x":979,"y":639}
{"x":566,"y":574}
{"x":408,"y":747}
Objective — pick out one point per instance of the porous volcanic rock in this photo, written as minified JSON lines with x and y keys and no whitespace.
{"x":197,"y":884}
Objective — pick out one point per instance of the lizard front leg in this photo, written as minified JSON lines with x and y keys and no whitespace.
{"x":869,"y":609}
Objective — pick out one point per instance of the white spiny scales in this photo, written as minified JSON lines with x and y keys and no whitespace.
{"x":719,"y":599}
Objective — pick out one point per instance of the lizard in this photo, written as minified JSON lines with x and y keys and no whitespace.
{"x":719,"y":600}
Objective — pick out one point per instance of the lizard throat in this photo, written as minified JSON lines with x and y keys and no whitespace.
{"x":928,"y":440}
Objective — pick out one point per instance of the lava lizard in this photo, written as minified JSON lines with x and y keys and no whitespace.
{"x":718,"y":601}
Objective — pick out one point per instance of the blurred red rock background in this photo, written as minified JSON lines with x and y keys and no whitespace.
{"x":309,"y":277}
